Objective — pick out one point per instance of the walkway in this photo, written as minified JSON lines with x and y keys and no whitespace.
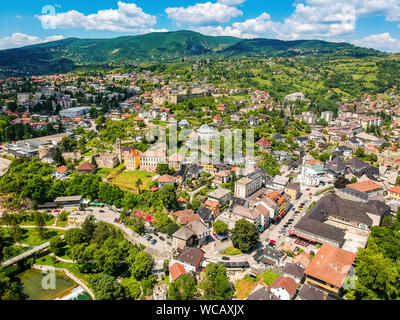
{"x":27,"y":254}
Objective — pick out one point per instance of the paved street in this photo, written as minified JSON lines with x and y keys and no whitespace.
{"x":273,"y":232}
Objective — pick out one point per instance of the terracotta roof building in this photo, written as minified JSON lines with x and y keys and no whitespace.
{"x":329,"y":268}
{"x":86,"y":168}
{"x":176,"y":270}
{"x":284,"y":287}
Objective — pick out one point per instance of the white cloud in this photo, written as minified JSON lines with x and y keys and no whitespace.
{"x":19,"y":16}
{"x":311,"y":19}
{"x":127,"y":18}
{"x":382,"y":41}
{"x":21,"y":40}
{"x":203,"y":14}
{"x":251,"y":28}
{"x":232,"y":2}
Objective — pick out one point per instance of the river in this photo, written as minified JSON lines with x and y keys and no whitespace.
{"x":65,"y":288}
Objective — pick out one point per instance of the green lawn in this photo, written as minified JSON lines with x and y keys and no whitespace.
{"x":270,"y":277}
{"x":232,"y":251}
{"x":32,"y":237}
{"x":32,"y":223}
{"x":127,"y":180}
{"x":61,"y":224}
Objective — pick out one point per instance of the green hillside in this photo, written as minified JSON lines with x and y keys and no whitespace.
{"x":67,"y":54}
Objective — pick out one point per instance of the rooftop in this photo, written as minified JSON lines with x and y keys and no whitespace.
{"x":331,"y":265}
{"x":365,"y":186}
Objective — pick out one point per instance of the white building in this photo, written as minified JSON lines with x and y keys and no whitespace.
{"x":205,"y":132}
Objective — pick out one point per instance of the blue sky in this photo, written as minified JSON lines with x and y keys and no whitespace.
{"x":369,"y":23}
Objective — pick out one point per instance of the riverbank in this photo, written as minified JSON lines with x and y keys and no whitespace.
{"x":69,"y":275}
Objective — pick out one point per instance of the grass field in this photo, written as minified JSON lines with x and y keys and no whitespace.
{"x":127,"y":180}
{"x":32,"y":237}
{"x":231,"y":251}
{"x":245,"y":286}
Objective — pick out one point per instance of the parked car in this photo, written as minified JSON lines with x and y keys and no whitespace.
{"x":169,"y":243}
{"x":101,"y":211}
{"x":154,"y":242}
{"x":226,"y":258}
{"x":162,"y":239}
{"x":155,"y":233}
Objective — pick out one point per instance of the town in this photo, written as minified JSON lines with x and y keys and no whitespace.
{"x":95,"y":182}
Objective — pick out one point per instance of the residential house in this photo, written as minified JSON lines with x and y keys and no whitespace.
{"x":264,"y":145}
{"x":308,"y":292}
{"x":293,"y":190}
{"x":175,"y":161}
{"x":60,"y":172}
{"x":284,"y":288}
{"x":165,"y":180}
{"x":247,"y":186}
{"x":294,"y":271}
{"x":329,"y":268}
{"x":86,"y":168}
{"x":221,"y":195}
{"x":191,"y":259}
{"x":176,"y":270}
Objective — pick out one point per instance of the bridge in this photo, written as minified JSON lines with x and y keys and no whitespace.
{"x":26,"y":254}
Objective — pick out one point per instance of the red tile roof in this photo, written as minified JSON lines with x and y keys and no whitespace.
{"x":187,"y":219}
{"x":331,"y":265}
{"x":395,"y":189}
{"x":86,"y":167}
{"x":62,"y":169}
{"x":176,"y":270}
{"x":288,"y":283}
{"x":365,"y":186}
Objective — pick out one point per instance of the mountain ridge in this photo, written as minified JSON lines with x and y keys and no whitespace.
{"x":66,"y":54}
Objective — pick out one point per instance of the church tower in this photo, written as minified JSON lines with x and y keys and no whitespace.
{"x":118,"y":148}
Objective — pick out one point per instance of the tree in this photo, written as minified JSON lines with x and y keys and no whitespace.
{"x":183,"y":288}
{"x":56,"y":246}
{"x":9,"y":290}
{"x":132,"y":288}
{"x":377,"y":277}
{"x":40,"y":223}
{"x":138,"y":184}
{"x":216,"y":283}
{"x":142,"y":266}
{"x":360,"y":153}
{"x":220,"y":227}
{"x":136,"y":224}
{"x":148,"y":284}
{"x":16,"y":231}
{"x":341,"y":182}
{"x":163,"y":169}
{"x":58,"y":158}
{"x":169,"y":198}
{"x":106,"y":287}
{"x":74,"y":236}
{"x":245,"y":235}
{"x":88,"y":228}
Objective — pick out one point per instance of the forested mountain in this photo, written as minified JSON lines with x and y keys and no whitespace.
{"x":67,"y":54}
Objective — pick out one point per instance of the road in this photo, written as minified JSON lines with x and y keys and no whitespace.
{"x":108,"y":215}
{"x":272,"y":233}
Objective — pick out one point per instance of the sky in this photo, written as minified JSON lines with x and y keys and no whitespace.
{"x":368,"y":23}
